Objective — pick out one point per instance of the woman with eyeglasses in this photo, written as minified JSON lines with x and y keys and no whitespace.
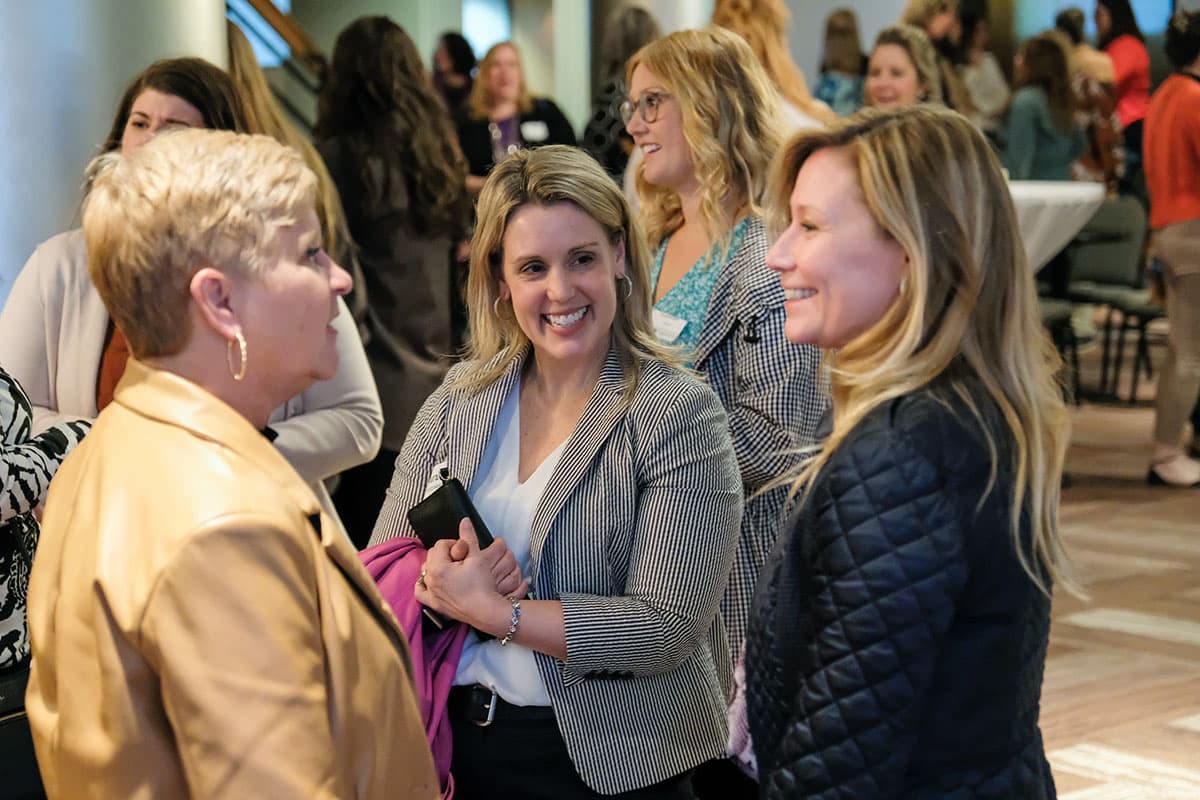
{"x":707,"y":143}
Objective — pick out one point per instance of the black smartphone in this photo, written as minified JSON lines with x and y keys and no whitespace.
{"x":438,"y":516}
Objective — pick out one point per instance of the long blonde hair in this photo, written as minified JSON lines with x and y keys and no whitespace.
{"x":731,"y":123}
{"x":763,"y":24}
{"x":479,"y":102}
{"x":933,"y":184}
{"x":264,"y":116}
{"x":548,"y":176}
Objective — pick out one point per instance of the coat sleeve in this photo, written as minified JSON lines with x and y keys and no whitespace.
{"x":887,"y":566}
{"x":231,"y":628}
{"x":340,"y":424}
{"x":27,"y":464}
{"x":689,"y":507}
{"x":29,"y":334}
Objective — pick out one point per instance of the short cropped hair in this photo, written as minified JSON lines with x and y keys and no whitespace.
{"x":185,"y":200}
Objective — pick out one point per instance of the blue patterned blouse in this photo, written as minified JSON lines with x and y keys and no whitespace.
{"x":688,"y":299}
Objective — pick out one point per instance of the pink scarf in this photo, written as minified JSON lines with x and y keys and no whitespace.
{"x":395,"y":566}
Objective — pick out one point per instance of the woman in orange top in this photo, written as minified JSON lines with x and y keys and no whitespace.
{"x":1173,"y":177}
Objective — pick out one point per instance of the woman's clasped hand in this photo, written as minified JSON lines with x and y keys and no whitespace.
{"x":474,"y":585}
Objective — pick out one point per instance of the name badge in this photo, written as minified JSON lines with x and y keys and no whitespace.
{"x":667,"y":327}
{"x":535,"y":131}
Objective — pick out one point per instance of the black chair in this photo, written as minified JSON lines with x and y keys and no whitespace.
{"x":1105,"y":269}
{"x":1056,"y":318}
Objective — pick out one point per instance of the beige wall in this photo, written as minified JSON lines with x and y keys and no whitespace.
{"x":65,"y":64}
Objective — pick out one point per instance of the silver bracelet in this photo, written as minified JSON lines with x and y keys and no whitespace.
{"x":514,"y":623}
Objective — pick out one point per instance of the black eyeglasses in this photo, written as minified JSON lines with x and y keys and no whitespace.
{"x":646,"y":105}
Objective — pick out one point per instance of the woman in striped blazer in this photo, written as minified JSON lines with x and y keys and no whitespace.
{"x":610,"y":473}
{"x":708,"y":144}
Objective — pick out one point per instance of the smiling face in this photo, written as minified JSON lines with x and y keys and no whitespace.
{"x":892,"y":78}
{"x":288,"y":311}
{"x":839,"y":269}
{"x":560,"y":271}
{"x":153,"y":112}
{"x":504,"y":75}
{"x":667,"y":157}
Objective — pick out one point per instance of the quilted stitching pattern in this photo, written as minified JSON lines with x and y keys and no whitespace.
{"x":874,"y":617}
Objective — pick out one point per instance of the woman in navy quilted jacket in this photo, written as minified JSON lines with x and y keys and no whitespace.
{"x":900,"y":630}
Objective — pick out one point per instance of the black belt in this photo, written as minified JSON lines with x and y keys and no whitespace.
{"x":482,"y":706}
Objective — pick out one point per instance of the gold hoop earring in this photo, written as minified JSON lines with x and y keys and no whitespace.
{"x":903,"y":285}
{"x":628,"y":286}
{"x":239,"y":373}
{"x":496,"y":305}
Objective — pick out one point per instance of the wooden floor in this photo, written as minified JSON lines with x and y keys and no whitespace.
{"x":1121,"y":702}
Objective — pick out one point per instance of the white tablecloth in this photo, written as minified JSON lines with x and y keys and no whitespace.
{"x":1050,"y":213}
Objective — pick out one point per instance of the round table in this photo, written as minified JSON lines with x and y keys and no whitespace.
{"x":1050,"y":213}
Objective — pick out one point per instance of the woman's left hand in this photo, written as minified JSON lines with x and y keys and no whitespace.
{"x":462,"y":582}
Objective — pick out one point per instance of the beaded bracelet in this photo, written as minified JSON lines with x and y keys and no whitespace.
{"x":514,"y":623}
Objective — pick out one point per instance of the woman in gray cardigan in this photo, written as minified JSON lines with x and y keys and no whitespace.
{"x":56,"y":337}
{"x":610,"y":474}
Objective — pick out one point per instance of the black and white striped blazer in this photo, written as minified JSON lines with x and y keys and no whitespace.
{"x":774,"y":397}
{"x":635,"y":535}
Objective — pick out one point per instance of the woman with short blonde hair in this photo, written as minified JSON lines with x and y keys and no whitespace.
{"x":927,"y":542}
{"x":205,"y":247}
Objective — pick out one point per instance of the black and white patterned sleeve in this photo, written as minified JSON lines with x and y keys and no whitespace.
{"x":28,"y":463}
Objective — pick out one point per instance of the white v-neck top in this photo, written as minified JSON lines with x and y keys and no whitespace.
{"x":507,"y":507}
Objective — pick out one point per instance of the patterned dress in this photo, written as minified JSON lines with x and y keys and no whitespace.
{"x":28,"y":464}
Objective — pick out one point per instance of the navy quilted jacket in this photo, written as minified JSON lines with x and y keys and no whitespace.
{"x":896,"y":648}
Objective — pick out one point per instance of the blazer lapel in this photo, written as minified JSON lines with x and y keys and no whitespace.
{"x":341,"y":552}
{"x":720,"y":316}
{"x":603,"y":411}
{"x":469,"y":424}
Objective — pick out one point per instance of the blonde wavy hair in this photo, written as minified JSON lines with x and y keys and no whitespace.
{"x":920,"y":12}
{"x":968,"y":313}
{"x":547,"y":176}
{"x":731,"y":124}
{"x":920,"y":52}
{"x":184,"y":200}
{"x":763,"y":24}
{"x":480,"y":100}
{"x":263,"y":115}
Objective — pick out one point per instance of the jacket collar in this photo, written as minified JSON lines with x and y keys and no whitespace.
{"x":471,"y":422}
{"x":745,"y":290}
{"x":173,"y":400}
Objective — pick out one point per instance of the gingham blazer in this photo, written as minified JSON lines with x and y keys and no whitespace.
{"x":774,"y":397}
{"x":635,"y":535}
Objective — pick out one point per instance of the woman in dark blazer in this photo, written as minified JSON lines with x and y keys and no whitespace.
{"x":389,"y":145}
{"x":501,"y":115}
{"x":899,"y":632}
{"x":610,"y":474}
